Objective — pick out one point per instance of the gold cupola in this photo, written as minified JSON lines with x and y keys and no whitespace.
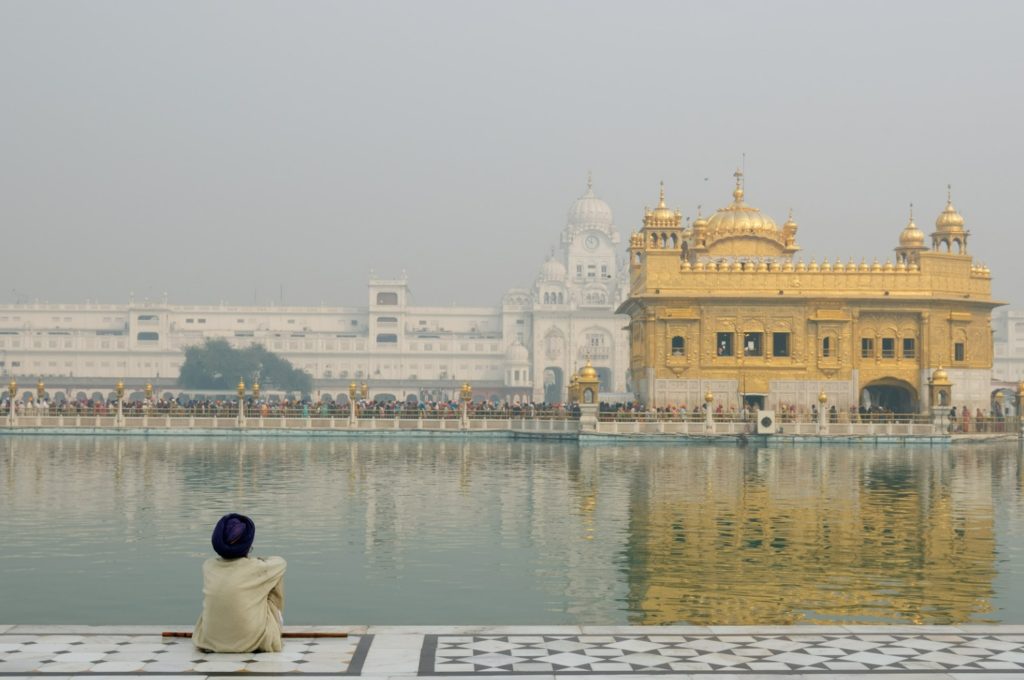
{"x":741,"y":231}
{"x":949,"y":227}
{"x":740,"y":218}
{"x":789,"y":229}
{"x":911,"y":236}
{"x":662,"y":216}
{"x":911,"y":242}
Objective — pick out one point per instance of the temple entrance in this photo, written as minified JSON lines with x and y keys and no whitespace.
{"x":753,"y":402}
{"x":889,"y":394}
{"x":553,"y":385}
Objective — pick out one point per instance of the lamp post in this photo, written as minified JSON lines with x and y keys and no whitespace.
{"x":709,"y":420}
{"x":352,"y":415}
{"x":241,"y":403}
{"x":119,"y":391}
{"x":465,"y":396}
{"x":822,"y":400}
{"x":256,"y":391}
{"x":365,"y":391}
{"x":40,"y":393}
{"x":1020,"y":404}
{"x":12,"y":391}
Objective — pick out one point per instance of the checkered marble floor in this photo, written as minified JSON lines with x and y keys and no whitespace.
{"x":725,"y":654}
{"x":29,"y":655}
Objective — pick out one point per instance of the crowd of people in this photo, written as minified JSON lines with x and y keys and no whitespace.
{"x":961,"y":420}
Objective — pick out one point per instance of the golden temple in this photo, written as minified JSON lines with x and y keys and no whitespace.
{"x":721,"y":306}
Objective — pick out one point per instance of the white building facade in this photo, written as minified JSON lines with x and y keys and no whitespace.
{"x":1008,"y":341}
{"x":524,"y":350}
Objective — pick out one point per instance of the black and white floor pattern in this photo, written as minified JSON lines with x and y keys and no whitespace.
{"x":65,"y":655}
{"x":732,"y":654}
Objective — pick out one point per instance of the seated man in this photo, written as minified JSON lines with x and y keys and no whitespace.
{"x":243,"y":597}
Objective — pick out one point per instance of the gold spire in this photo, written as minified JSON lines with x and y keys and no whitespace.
{"x":738,"y":191}
{"x":949,"y":219}
{"x":590,"y":180}
{"x":662,"y":216}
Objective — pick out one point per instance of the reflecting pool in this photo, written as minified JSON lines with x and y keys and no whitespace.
{"x":415,"y":531}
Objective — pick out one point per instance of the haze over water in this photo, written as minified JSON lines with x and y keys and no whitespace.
{"x":404,"y":531}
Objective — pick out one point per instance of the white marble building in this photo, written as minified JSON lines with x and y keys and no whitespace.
{"x":525,"y":349}
{"x":1008,"y":340}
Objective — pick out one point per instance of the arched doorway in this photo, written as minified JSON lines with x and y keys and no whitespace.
{"x":890,"y":394}
{"x":1003,"y":402}
{"x":553,"y":385}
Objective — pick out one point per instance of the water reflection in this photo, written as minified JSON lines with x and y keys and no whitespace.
{"x":452,"y":531}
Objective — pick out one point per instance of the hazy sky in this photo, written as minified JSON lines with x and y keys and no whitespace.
{"x":222,"y":150}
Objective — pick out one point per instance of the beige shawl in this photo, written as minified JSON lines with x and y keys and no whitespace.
{"x":243,"y":600}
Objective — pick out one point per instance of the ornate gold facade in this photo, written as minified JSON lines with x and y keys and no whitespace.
{"x":722,"y":306}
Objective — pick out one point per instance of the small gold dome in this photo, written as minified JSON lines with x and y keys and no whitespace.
{"x":911,"y":236}
{"x":662,"y":216}
{"x":588,"y":372}
{"x":701,"y":222}
{"x":740,"y":218}
{"x":949,"y":219}
{"x":940,"y":375}
{"x":790,"y":224}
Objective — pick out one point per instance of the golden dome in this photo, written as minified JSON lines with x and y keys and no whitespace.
{"x":911,"y":236}
{"x":940,"y":375}
{"x":790,"y":224}
{"x":949,"y":219}
{"x":588,"y":372}
{"x":701,"y":222}
{"x":740,"y":218}
{"x":662,"y":216}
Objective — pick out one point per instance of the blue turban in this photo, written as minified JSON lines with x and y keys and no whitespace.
{"x":233,"y":536}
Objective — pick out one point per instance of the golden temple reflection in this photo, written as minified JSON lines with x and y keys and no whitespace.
{"x":813,"y":536}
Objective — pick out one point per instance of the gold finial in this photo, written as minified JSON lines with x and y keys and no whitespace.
{"x":949,"y":194}
{"x":661,"y":198}
{"x":590,"y":180}
{"x":911,"y":211}
{"x":738,"y":191}
{"x":698,"y":211}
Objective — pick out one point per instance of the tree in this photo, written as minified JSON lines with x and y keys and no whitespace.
{"x":218,"y":366}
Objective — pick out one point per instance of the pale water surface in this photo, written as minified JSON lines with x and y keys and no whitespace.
{"x":414,"y":531}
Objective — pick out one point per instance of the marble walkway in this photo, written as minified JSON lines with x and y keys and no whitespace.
{"x":531,"y":652}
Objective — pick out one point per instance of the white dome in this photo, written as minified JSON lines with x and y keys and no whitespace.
{"x":552,"y":270}
{"x":590,"y":211}
{"x":516,"y":353}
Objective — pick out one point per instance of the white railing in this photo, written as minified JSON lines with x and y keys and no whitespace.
{"x":618,"y":424}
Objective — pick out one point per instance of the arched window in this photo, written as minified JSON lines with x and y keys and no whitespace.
{"x":678,"y":346}
{"x":829,"y":346}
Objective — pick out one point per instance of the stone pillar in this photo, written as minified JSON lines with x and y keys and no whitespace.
{"x":119,"y":391}
{"x":940,"y":397}
{"x":1020,"y":403}
{"x":352,"y":415}
{"x":240,"y":418}
{"x":588,"y":387}
{"x":465,"y":396}
{"x":12,"y":392}
{"x":709,"y":417}
{"x":822,"y":413}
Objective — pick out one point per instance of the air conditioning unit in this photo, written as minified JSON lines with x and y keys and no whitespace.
{"x":765,"y":422}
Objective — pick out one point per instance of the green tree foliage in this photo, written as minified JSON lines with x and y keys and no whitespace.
{"x":218,"y":366}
